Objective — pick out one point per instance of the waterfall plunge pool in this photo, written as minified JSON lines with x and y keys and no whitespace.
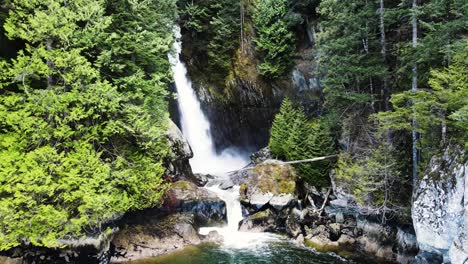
{"x":275,"y":251}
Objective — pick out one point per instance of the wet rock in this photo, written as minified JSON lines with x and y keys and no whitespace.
{"x":346,"y":241}
{"x":281,"y":201}
{"x":259,"y":199}
{"x":259,"y":222}
{"x":202,"y":179}
{"x":299,"y":82}
{"x":319,"y":230}
{"x":406,"y":241}
{"x":184,"y":196}
{"x":222,"y":183}
{"x":335,"y":230}
{"x":300,"y":239}
{"x":293,"y":226}
{"x":261,"y":155}
{"x":213,"y":236}
{"x":376,"y":248}
{"x":428,"y":258}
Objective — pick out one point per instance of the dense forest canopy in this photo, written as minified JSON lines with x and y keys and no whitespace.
{"x":83,"y":114}
{"x":84,"y":87}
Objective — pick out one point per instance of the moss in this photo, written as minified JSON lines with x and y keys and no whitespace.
{"x":286,"y":186}
{"x":275,"y":178}
{"x":243,"y":188}
{"x":261,"y":215}
{"x":329,"y":248}
{"x":183,"y":185}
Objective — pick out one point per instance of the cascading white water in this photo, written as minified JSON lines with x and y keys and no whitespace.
{"x":195,"y":125}
{"x":196,"y":128}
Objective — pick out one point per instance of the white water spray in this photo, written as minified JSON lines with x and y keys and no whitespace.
{"x":196,"y":128}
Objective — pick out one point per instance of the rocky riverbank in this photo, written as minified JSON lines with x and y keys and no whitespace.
{"x":274,"y":200}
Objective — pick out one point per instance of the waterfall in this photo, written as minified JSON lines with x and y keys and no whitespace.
{"x":195,"y":124}
{"x":196,"y":128}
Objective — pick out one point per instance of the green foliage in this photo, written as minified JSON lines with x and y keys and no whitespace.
{"x":372,"y":177}
{"x":275,"y":39}
{"x":293,"y":137}
{"x":442,"y":105}
{"x":82,"y":116}
{"x":214,"y":29}
{"x":348,"y":47}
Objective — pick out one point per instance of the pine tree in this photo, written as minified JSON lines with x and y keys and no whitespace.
{"x":294,"y":137}
{"x":275,"y":39}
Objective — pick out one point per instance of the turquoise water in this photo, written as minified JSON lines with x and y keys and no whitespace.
{"x":275,"y":252}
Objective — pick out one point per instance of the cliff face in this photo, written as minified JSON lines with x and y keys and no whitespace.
{"x":241,"y":107}
{"x":440,"y":209}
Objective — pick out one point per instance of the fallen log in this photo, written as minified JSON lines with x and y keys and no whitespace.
{"x":293,"y":162}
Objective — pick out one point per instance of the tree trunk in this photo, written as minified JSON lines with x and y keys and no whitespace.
{"x":242,"y":26}
{"x":414,"y":89}
{"x":444,"y":131}
{"x":383,"y":43}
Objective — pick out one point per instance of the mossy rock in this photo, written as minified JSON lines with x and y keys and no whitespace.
{"x":326,"y":248}
{"x":275,"y":178}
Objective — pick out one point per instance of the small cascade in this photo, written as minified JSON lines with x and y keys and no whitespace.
{"x":232,"y":237}
{"x":196,"y":128}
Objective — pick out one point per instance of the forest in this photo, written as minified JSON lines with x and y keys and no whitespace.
{"x":86,"y":88}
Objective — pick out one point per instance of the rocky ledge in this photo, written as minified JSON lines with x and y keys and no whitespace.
{"x":170,"y":227}
{"x":274,"y":200}
{"x":150,"y":232}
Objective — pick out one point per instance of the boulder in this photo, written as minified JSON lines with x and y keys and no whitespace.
{"x":258,"y":199}
{"x":178,"y":143}
{"x":259,"y":222}
{"x":293,"y":226}
{"x":201,"y":179}
{"x":300,"y":239}
{"x":186,"y":197}
{"x":214,"y":236}
{"x":177,"y":164}
{"x":221,"y":182}
{"x":281,"y":201}
{"x":271,"y":183}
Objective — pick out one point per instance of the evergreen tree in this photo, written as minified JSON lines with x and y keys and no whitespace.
{"x":213,"y":32}
{"x":275,"y":39}
{"x":440,"y":111}
{"x":294,"y":137}
{"x":349,"y":54}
